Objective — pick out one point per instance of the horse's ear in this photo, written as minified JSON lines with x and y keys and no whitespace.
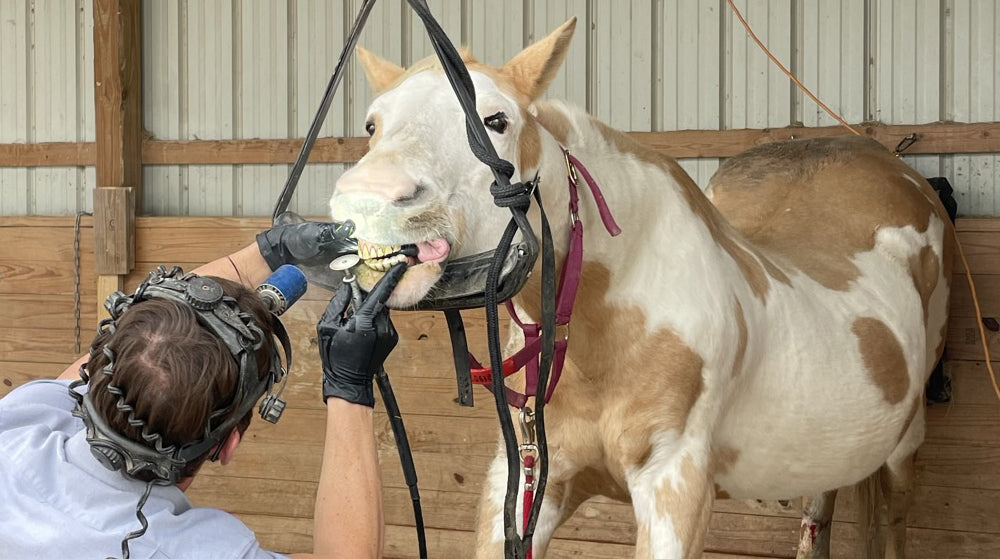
{"x":533,"y":68}
{"x":380,"y":72}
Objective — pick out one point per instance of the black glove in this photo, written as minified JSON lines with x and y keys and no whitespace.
{"x":353,"y":348}
{"x":306,"y":243}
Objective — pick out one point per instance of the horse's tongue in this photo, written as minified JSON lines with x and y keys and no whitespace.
{"x":432,"y":251}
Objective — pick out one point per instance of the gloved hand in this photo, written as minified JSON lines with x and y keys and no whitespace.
{"x":353,"y":348}
{"x":306,"y":243}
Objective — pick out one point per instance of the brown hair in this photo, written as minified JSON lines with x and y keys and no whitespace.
{"x":173,"y":371}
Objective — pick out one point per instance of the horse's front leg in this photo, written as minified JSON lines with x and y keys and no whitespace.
{"x":489,"y":527}
{"x":673,"y":503}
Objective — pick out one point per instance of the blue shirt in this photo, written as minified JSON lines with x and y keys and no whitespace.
{"x":57,"y":500}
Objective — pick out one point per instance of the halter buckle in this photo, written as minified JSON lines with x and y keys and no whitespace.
{"x":570,"y":168}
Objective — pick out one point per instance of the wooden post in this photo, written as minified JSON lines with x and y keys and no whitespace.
{"x":118,"y":112}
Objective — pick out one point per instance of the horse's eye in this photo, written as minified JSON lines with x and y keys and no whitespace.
{"x":370,"y":127}
{"x":496,"y":122}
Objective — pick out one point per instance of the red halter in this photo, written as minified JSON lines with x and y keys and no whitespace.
{"x":569,"y":281}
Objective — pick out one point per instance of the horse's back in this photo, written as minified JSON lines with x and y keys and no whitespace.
{"x":816,"y":203}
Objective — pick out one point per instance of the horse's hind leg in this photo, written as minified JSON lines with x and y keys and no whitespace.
{"x":817,"y":518}
{"x":898,"y":489}
{"x":898,"y":477}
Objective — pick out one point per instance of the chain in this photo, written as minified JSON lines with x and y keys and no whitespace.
{"x":76,"y":281}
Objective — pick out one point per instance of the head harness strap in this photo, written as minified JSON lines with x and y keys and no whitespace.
{"x":221,"y":315}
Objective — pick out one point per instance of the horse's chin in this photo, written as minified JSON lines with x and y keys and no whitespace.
{"x":414,"y":286}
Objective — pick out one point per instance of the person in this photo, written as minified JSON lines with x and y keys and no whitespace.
{"x":166,"y":376}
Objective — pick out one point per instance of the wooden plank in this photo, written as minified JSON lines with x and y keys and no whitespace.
{"x":118,"y":93}
{"x":48,"y":154}
{"x":987,"y":291}
{"x":932,"y":138}
{"x":291,"y":535}
{"x":16,"y":373}
{"x":190,"y":244}
{"x":48,"y":277}
{"x":982,"y":250}
{"x":114,"y":229}
{"x":106,"y":285}
{"x":211,"y":152}
{"x":964,"y":340}
{"x":50,"y":312}
{"x":39,"y":345}
{"x":23,"y":244}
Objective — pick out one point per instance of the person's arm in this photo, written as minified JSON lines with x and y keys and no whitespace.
{"x":245,"y":266}
{"x":348,"y":517}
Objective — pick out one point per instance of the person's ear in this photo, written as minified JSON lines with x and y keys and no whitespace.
{"x":229,"y":446}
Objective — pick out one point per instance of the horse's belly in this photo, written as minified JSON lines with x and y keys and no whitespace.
{"x":795,"y":437}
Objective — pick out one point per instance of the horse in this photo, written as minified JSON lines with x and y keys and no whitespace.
{"x":768,"y":338}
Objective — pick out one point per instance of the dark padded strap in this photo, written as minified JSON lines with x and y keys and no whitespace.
{"x":460,"y":353}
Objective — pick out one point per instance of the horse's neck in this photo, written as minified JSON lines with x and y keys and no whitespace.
{"x":676,"y":259}
{"x":664,"y":215}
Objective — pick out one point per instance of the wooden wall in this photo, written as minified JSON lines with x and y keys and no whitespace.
{"x":271,"y":483}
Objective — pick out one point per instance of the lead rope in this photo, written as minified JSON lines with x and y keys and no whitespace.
{"x":516,"y":197}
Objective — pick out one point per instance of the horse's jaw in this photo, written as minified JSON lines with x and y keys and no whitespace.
{"x":416,"y":283}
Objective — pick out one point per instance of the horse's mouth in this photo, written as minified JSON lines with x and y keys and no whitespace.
{"x":380,"y":257}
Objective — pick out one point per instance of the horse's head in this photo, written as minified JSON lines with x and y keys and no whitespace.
{"x":420,"y":183}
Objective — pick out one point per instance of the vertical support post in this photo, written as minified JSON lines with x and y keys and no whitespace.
{"x":118,"y":112}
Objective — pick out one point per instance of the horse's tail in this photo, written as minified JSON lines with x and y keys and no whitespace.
{"x":870,"y":504}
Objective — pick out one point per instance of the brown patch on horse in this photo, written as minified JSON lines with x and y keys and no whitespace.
{"x":612,"y":370}
{"x":925,"y":268}
{"x":741,"y":342}
{"x":723,"y":459}
{"x":746,"y":258}
{"x":689,"y":505}
{"x":883,"y":357}
{"x":554,"y":120}
{"x":530,"y":145}
{"x":818,"y":202}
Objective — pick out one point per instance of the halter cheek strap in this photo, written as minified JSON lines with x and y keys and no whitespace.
{"x":470,"y":371}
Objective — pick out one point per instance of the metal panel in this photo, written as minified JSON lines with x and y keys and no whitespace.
{"x":261,"y":97}
{"x":14,"y":101}
{"x":448,"y":13}
{"x":164,"y":101}
{"x":975,"y":97}
{"x":570,"y":83}
{"x":58,"y":73}
{"x":318,"y":38}
{"x":690,"y":64}
{"x":258,"y":68}
{"x":495,"y":30}
{"x":760,"y":95}
{"x":210,"y":107}
{"x":622,"y":84}
{"x":832,"y":62}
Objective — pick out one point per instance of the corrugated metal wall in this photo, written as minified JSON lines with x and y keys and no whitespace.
{"x":257,"y":69}
{"x":46,"y":95}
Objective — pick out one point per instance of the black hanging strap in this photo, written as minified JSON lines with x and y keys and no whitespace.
{"x":331,"y":88}
{"x":460,"y":354}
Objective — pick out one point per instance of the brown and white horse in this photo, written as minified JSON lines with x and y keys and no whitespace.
{"x":767,"y":341}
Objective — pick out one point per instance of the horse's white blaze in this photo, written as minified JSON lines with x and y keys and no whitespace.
{"x":772,"y":345}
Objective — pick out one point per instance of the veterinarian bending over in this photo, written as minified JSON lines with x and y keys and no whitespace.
{"x":172,"y":380}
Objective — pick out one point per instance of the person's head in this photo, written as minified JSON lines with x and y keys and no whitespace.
{"x":174,"y":372}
